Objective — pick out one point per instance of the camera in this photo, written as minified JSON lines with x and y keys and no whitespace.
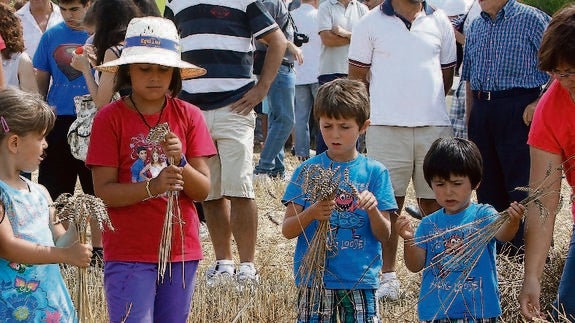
{"x":300,"y":39}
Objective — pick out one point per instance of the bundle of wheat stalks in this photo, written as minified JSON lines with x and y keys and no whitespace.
{"x":318,"y":184}
{"x":77,"y":210}
{"x":157,"y":135}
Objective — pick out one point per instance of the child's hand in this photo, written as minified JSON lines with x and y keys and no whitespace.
{"x":516,"y":211}
{"x":404,"y":228}
{"x":321,"y":210}
{"x":172,"y":147}
{"x":78,"y":254}
{"x":169,"y":179}
{"x":80,"y":61}
{"x":367,"y":201}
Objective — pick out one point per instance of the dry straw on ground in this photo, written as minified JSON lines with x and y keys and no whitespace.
{"x":275,"y":298}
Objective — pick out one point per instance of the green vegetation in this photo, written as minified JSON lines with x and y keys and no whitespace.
{"x":549,"y":6}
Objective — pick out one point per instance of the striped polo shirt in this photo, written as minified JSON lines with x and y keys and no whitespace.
{"x":218,"y":36}
{"x":501,"y":54}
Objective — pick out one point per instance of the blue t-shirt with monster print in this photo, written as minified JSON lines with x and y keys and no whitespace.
{"x":353,"y":259}
{"x":457,"y":287}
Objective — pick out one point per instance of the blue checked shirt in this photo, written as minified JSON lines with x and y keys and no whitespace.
{"x":501,"y":54}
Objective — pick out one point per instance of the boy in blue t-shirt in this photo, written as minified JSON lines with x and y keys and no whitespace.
{"x":455,"y":287}
{"x":357,"y":208}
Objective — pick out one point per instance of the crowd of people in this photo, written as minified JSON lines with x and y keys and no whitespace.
{"x":361,"y":87}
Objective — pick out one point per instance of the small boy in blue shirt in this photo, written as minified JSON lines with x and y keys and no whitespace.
{"x":455,"y":288}
{"x":358,"y":211}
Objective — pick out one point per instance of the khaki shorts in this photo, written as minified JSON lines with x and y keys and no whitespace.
{"x":402,"y":150}
{"x":231,"y":169}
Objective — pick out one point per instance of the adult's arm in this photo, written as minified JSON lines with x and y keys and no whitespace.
{"x":331,"y":39}
{"x":538,"y":229}
{"x":277,"y":44}
{"x":447,"y":74}
{"x":43,"y":81}
{"x":26,"y":74}
{"x":358,"y":73}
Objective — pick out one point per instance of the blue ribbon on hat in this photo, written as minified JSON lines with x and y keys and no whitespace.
{"x":150,"y":41}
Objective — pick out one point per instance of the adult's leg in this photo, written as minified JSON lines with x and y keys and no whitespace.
{"x":217,"y":214}
{"x":303,"y":107}
{"x":244,"y":225}
{"x":280,"y":122}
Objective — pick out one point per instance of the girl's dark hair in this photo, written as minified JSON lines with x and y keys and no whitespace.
{"x":23,"y":113}
{"x":453,"y":156}
{"x":110,"y":31}
{"x":342,"y":98}
{"x":11,"y":31}
{"x":558,"y":45}
{"x":148,"y":8}
{"x":123,"y":80}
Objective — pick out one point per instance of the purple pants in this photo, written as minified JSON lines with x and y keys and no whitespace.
{"x":134,"y":294}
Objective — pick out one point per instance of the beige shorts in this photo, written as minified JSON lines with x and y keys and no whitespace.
{"x":231,"y":169}
{"x":402,"y":150}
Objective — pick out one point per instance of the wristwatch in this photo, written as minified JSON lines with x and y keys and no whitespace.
{"x":183,"y":161}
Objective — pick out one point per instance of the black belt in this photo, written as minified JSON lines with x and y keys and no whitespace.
{"x":491,"y":95}
{"x":288,"y":64}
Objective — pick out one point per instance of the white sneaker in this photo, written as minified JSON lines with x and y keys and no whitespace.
{"x":247,"y":275}
{"x":222,"y":272}
{"x":389,"y":287}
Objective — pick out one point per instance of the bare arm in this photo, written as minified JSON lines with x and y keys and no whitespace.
{"x":331,"y":39}
{"x":378,"y":220}
{"x":101,"y":93}
{"x":414,"y":256}
{"x":67,"y":249}
{"x":509,"y":228}
{"x":539,"y":231}
{"x":447,"y":74}
{"x":296,"y":219}
{"x":26,"y":75}
{"x":277,"y":44}
{"x":43,"y":81}
{"x":358,"y":73}
{"x":468,"y":102}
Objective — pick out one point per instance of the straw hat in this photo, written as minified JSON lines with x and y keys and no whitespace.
{"x":153,"y":40}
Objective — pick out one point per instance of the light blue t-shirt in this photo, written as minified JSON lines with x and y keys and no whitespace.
{"x":354,"y":260}
{"x":53,"y":55}
{"x":31,"y":293}
{"x":446,"y":291}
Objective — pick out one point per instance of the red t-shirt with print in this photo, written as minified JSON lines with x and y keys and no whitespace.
{"x":118,"y":140}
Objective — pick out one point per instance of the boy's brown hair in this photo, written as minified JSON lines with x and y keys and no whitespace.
{"x":342,"y":98}
{"x":557,"y":45}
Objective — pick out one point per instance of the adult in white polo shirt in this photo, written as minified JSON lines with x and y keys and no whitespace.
{"x":306,"y":84}
{"x":408,"y":51}
{"x":36,"y":17}
{"x":336,"y":19}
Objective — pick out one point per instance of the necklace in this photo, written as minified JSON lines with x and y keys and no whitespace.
{"x":142,"y":116}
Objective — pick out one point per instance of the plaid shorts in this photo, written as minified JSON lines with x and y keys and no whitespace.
{"x":466,"y":320}
{"x":350,"y":306}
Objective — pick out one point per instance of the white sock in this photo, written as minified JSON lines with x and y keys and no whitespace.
{"x":249,"y":265}
{"x":389,"y":275}
{"x":225,"y":265}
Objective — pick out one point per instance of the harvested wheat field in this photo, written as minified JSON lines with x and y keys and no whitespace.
{"x":274,"y":299}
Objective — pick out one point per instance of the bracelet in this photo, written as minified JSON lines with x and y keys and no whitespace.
{"x":148,"y":189}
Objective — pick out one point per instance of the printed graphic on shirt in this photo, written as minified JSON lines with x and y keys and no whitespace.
{"x":149,"y":159}
{"x":444,"y":251}
{"x":63,"y":57}
{"x":345,"y":221}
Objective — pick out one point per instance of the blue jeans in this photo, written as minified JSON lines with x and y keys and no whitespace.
{"x":566,"y":292}
{"x":305,"y":95}
{"x":281,"y":118}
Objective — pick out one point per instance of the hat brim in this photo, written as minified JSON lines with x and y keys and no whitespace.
{"x":187,"y":70}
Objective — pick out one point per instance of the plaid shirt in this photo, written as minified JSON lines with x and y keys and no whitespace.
{"x":501,"y":54}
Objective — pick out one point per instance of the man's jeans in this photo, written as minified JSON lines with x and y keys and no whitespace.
{"x":281,"y":120}
{"x":305,"y":95}
{"x":565,"y":302}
